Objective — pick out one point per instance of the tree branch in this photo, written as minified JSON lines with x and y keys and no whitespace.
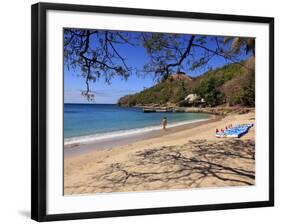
{"x":184,"y":55}
{"x":222,"y":55}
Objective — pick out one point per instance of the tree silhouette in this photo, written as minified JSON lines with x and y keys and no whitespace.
{"x":96,"y":53}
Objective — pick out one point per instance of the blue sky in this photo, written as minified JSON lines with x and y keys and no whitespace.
{"x":105,"y":93}
{"x":136,"y":57}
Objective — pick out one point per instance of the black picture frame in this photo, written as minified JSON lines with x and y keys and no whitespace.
{"x":39,"y":122}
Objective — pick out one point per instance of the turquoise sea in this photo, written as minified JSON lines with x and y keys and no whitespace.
{"x":92,"y":122}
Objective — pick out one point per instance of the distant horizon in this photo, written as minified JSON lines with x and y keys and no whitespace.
{"x":114,"y":103}
{"x":136,"y":56}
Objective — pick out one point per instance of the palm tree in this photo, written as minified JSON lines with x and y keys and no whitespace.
{"x":241,"y":43}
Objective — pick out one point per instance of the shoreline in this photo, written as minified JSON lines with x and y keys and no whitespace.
{"x":109,"y":143}
{"x":189,"y":156}
{"x":217,"y":110}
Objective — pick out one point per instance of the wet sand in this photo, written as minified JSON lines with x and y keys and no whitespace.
{"x":76,"y":149}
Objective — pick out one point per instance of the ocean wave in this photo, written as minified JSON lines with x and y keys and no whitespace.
{"x":122,"y":133}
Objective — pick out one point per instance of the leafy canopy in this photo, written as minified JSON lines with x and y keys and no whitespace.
{"x":96,"y":54}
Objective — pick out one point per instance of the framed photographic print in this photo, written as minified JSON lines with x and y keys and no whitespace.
{"x":138,"y":111}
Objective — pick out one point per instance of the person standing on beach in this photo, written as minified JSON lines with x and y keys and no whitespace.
{"x":164,"y":122}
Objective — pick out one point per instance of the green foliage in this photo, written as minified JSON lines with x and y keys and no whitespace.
{"x":170,"y":90}
{"x":244,"y":97}
{"x":210,"y":83}
{"x":245,"y":92}
{"x":232,"y":84}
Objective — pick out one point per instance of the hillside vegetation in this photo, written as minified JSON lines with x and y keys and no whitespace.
{"x":233,"y":84}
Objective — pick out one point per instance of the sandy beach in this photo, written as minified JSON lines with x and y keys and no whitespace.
{"x":188,"y":156}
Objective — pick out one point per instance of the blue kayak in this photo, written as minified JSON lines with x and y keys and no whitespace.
{"x":236,"y":131}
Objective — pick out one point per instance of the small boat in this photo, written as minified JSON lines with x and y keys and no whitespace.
{"x":148,"y":110}
{"x":161,"y":110}
{"x":157,"y":109}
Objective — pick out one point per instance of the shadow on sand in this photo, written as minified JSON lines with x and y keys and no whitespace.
{"x":198,"y":163}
